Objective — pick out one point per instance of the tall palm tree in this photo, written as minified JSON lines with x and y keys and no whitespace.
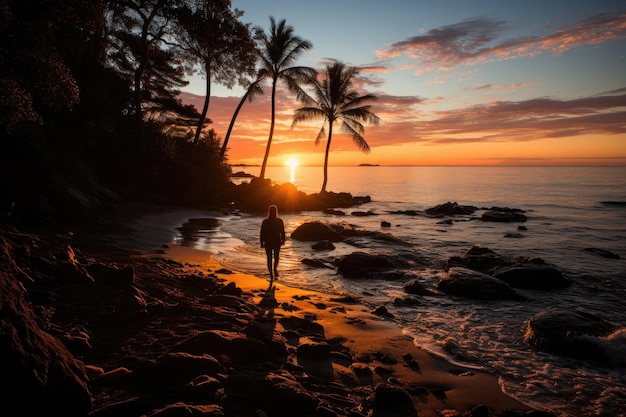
{"x":279,"y":51}
{"x":335,"y":99}
{"x":254,"y":90}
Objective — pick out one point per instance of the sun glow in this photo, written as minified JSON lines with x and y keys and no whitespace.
{"x":292,"y":163}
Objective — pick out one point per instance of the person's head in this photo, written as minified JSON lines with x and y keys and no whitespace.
{"x":272,"y":212}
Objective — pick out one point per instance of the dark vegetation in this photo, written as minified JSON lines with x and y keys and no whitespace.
{"x":90,"y":114}
{"x":89,"y":110}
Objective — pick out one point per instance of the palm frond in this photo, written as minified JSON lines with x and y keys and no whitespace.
{"x":320,"y":135}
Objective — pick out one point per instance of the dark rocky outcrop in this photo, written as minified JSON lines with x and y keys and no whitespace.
{"x":315,"y":231}
{"x":39,"y":374}
{"x":467,"y":283}
{"x":519,"y":272}
{"x":323,"y":245}
{"x":361,"y":265}
{"x":256,"y":196}
{"x":416,"y":288}
{"x":450,"y":209}
{"x":148,"y":336}
{"x":531,"y":275}
{"x":568,"y":332}
{"x":503,"y":215}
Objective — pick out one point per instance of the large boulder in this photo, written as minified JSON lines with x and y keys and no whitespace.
{"x":536,"y":276}
{"x":478,"y":258}
{"x":503,"y":215}
{"x":39,"y":375}
{"x":568,"y":332}
{"x":238,"y":347}
{"x":361,"y":265}
{"x":391,"y":401}
{"x":467,"y":283}
{"x":315,"y":231}
{"x":450,"y":209}
{"x":518,"y":272}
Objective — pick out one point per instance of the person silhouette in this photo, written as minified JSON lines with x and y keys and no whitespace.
{"x":272,"y":238}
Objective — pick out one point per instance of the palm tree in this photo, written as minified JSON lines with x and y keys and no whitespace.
{"x":254,"y":90}
{"x":335,"y":99}
{"x":279,"y":51}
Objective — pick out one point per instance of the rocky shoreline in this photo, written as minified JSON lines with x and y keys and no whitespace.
{"x":94,"y":330}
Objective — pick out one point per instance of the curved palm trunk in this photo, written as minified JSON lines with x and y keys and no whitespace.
{"x":205,"y":108}
{"x":232,"y":123}
{"x":330,"y":136}
{"x":269,"y":140}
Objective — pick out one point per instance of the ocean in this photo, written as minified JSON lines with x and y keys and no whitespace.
{"x":568,"y":209}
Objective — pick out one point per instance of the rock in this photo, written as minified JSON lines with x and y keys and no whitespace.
{"x":315,"y":263}
{"x":361,"y":265}
{"x":187,"y":366}
{"x":450,"y":209}
{"x":313,"y":350}
{"x":112,"y":274}
{"x":568,"y":332}
{"x":73,"y":273}
{"x":203,"y":386}
{"x":134,"y":406}
{"x":382,"y":311}
{"x":323,"y":245}
{"x":363,"y":213}
{"x":315,"y":231}
{"x":518,"y":272}
{"x":236,"y":346}
{"x":302,"y":326}
{"x":385,"y":224}
{"x":334,"y":212}
{"x":391,"y":401}
{"x":277,"y":393}
{"x":478,"y":258}
{"x":503,"y":215}
{"x":467,"y":283}
{"x":230,"y":289}
{"x":415,"y":287}
{"x":534,"y":276}
{"x":39,"y":374}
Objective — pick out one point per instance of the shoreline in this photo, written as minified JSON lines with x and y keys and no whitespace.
{"x":448,"y":386}
{"x":169,"y":330}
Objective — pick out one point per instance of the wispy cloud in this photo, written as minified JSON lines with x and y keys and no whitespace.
{"x":515,"y":121}
{"x":408,"y":119}
{"x":475,"y":41}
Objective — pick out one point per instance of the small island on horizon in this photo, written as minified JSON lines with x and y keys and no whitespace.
{"x":369,"y":165}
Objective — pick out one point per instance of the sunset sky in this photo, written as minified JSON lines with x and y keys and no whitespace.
{"x":458,"y":82}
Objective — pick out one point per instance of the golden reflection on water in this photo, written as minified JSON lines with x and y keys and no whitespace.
{"x":292,"y":163}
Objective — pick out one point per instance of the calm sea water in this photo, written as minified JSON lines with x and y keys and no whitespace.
{"x":565,"y":213}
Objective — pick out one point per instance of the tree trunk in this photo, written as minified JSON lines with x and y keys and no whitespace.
{"x":330,"y":136}
{"x":205,"y":108}
{"x":269,"y":140}
{"x":232,"y":123}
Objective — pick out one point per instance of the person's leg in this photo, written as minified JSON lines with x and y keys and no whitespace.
{"x":268,"y":253}
{"x":276,"y":258}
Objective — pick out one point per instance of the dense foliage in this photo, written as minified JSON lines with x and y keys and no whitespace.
{"x":89,"y":108}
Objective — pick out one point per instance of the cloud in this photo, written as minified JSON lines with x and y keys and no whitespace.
{"x":512,"y":121}
{"x":474,"y":41}
{"x":408,"y":119}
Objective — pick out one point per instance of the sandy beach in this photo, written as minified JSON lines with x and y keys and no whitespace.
{"x":443,"y":388}
{"x":170,"y":331}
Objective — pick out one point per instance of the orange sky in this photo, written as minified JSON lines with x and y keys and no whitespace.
{"x":476,"y":83}
{"x":484,"y":135}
